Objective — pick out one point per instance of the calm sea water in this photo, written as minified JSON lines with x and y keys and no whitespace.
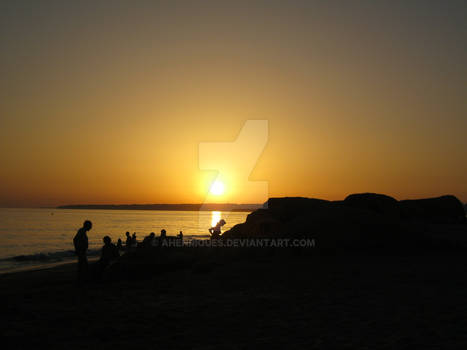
{"x":36,"y":237}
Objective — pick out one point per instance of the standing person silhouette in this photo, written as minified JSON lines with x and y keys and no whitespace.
{"x":80,"y":241}
{"x":128,"y":241}
{"x":180,"y":239}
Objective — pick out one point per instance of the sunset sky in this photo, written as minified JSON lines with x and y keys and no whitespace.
{"x":108,"y":102}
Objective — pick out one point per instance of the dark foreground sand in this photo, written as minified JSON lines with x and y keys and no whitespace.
{"x":231,"y":300}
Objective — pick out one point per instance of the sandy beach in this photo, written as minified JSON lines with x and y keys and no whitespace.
{"x":239,"y":299}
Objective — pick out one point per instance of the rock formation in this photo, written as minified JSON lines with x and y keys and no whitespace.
{"x":365,"y":218}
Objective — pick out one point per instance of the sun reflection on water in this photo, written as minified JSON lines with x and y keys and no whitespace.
{"x":215,"y":217}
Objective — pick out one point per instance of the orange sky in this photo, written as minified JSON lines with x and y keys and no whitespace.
{"x":110,"y":104}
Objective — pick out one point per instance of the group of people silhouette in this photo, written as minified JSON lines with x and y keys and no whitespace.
{"x":111,"y":252}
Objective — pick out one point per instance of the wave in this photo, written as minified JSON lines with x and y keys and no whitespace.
{"x":49,"y":256}
{"x":58,"y":256}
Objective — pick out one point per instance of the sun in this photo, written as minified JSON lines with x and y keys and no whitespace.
{"x":217,"y":188}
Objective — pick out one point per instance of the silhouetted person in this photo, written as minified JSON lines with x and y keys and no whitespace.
{"x":128,"y":241}
{"x":119,"y":244}
{"x":80,"y":241}
{"x":180,"y":237}
{"x":109,"y":252}
{"x":216,"y":230}
{"x":134,"y":241}
{"x":162,"y":238}
{"x":148,"y":241}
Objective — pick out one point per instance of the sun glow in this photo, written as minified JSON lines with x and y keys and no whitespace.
{"x":217,"y":188}
{"x":215,"y":217}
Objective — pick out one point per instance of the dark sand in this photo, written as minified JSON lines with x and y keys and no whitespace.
{"x":232,"y":300}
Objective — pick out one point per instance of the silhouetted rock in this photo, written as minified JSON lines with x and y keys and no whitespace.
{"x":260,"y":223}
{"x":366,"y":219}
{"x":376,"y":203}
{"x":445,"y":209}
{"x":331,"y":222}
{"x":289,"y":207}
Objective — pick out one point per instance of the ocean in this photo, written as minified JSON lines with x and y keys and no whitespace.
{"x":35,"y":238}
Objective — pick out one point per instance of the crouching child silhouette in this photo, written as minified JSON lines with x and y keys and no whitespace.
{"x":216,"y":230}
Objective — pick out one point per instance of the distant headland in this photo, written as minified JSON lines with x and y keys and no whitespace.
{"x":179,"y":207}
